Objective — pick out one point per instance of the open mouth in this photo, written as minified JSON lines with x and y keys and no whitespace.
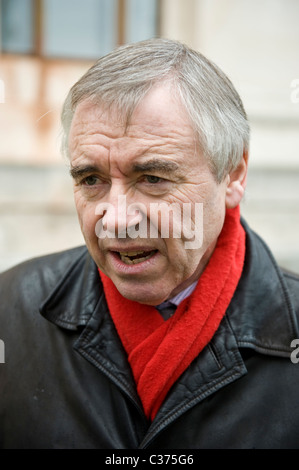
{"x":135,"y":257}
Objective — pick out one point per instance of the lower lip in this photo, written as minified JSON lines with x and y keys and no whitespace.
{"x":121,"y":267}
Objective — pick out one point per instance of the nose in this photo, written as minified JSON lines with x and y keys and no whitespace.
{"x":117,"y":218}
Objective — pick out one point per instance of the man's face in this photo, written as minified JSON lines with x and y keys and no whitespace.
{"x":154,"y":160}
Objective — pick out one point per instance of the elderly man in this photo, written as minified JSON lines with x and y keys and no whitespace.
{"x":173,"y":327}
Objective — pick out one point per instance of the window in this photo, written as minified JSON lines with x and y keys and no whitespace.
{"x":141,"y":19}
{"x":17,"y":26}
{"x":75,"y":28}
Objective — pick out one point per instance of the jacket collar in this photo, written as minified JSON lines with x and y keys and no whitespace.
{"x":73,"y":300}
{"x":261,"y":313}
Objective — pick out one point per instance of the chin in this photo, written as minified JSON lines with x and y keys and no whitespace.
{"x":142,"y":296}
{"x":147,"y":300}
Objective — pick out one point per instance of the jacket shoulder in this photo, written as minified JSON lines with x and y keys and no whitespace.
{"x":37,"y":276}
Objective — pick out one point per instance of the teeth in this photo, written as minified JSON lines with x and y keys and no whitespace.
{"x":130,"y":253}
{"x":125,"y":257}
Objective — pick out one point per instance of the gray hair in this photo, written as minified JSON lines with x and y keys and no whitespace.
{"x":123,"y":77}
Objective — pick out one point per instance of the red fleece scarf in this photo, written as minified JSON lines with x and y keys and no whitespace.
{"x":160,"y":351}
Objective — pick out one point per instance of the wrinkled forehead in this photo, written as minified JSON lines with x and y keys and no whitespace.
{"x":160,"y":109}
{"x":158,"y":128}
{"x":90,"y":113}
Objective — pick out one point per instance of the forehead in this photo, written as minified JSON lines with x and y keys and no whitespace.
{"x":159,"y":129}
{"x":159,"y":113}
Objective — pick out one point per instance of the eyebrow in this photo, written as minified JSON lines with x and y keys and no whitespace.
{"x":164,"y":166}
{"x":80,"y":171}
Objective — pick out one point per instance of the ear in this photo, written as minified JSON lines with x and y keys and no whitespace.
{"x":237,"y":183}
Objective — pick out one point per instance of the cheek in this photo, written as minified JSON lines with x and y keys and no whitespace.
{"x":87,"y":217}
{"x":182,"y":262}
{"x":213,"y":216}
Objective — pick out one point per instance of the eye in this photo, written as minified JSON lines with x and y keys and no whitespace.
{"x":90,"y":180}
{"x":153,"y":179}
{"x":154,"y":185}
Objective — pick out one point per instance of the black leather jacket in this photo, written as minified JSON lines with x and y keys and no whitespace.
{"x":66,"y":382}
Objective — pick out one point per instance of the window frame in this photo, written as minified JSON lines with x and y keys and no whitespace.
{"x":37,"y":49}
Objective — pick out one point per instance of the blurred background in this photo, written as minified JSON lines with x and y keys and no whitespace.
{"x":46,"y":45}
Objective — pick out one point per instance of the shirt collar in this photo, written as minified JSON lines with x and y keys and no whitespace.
{"x":177,"y":299}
